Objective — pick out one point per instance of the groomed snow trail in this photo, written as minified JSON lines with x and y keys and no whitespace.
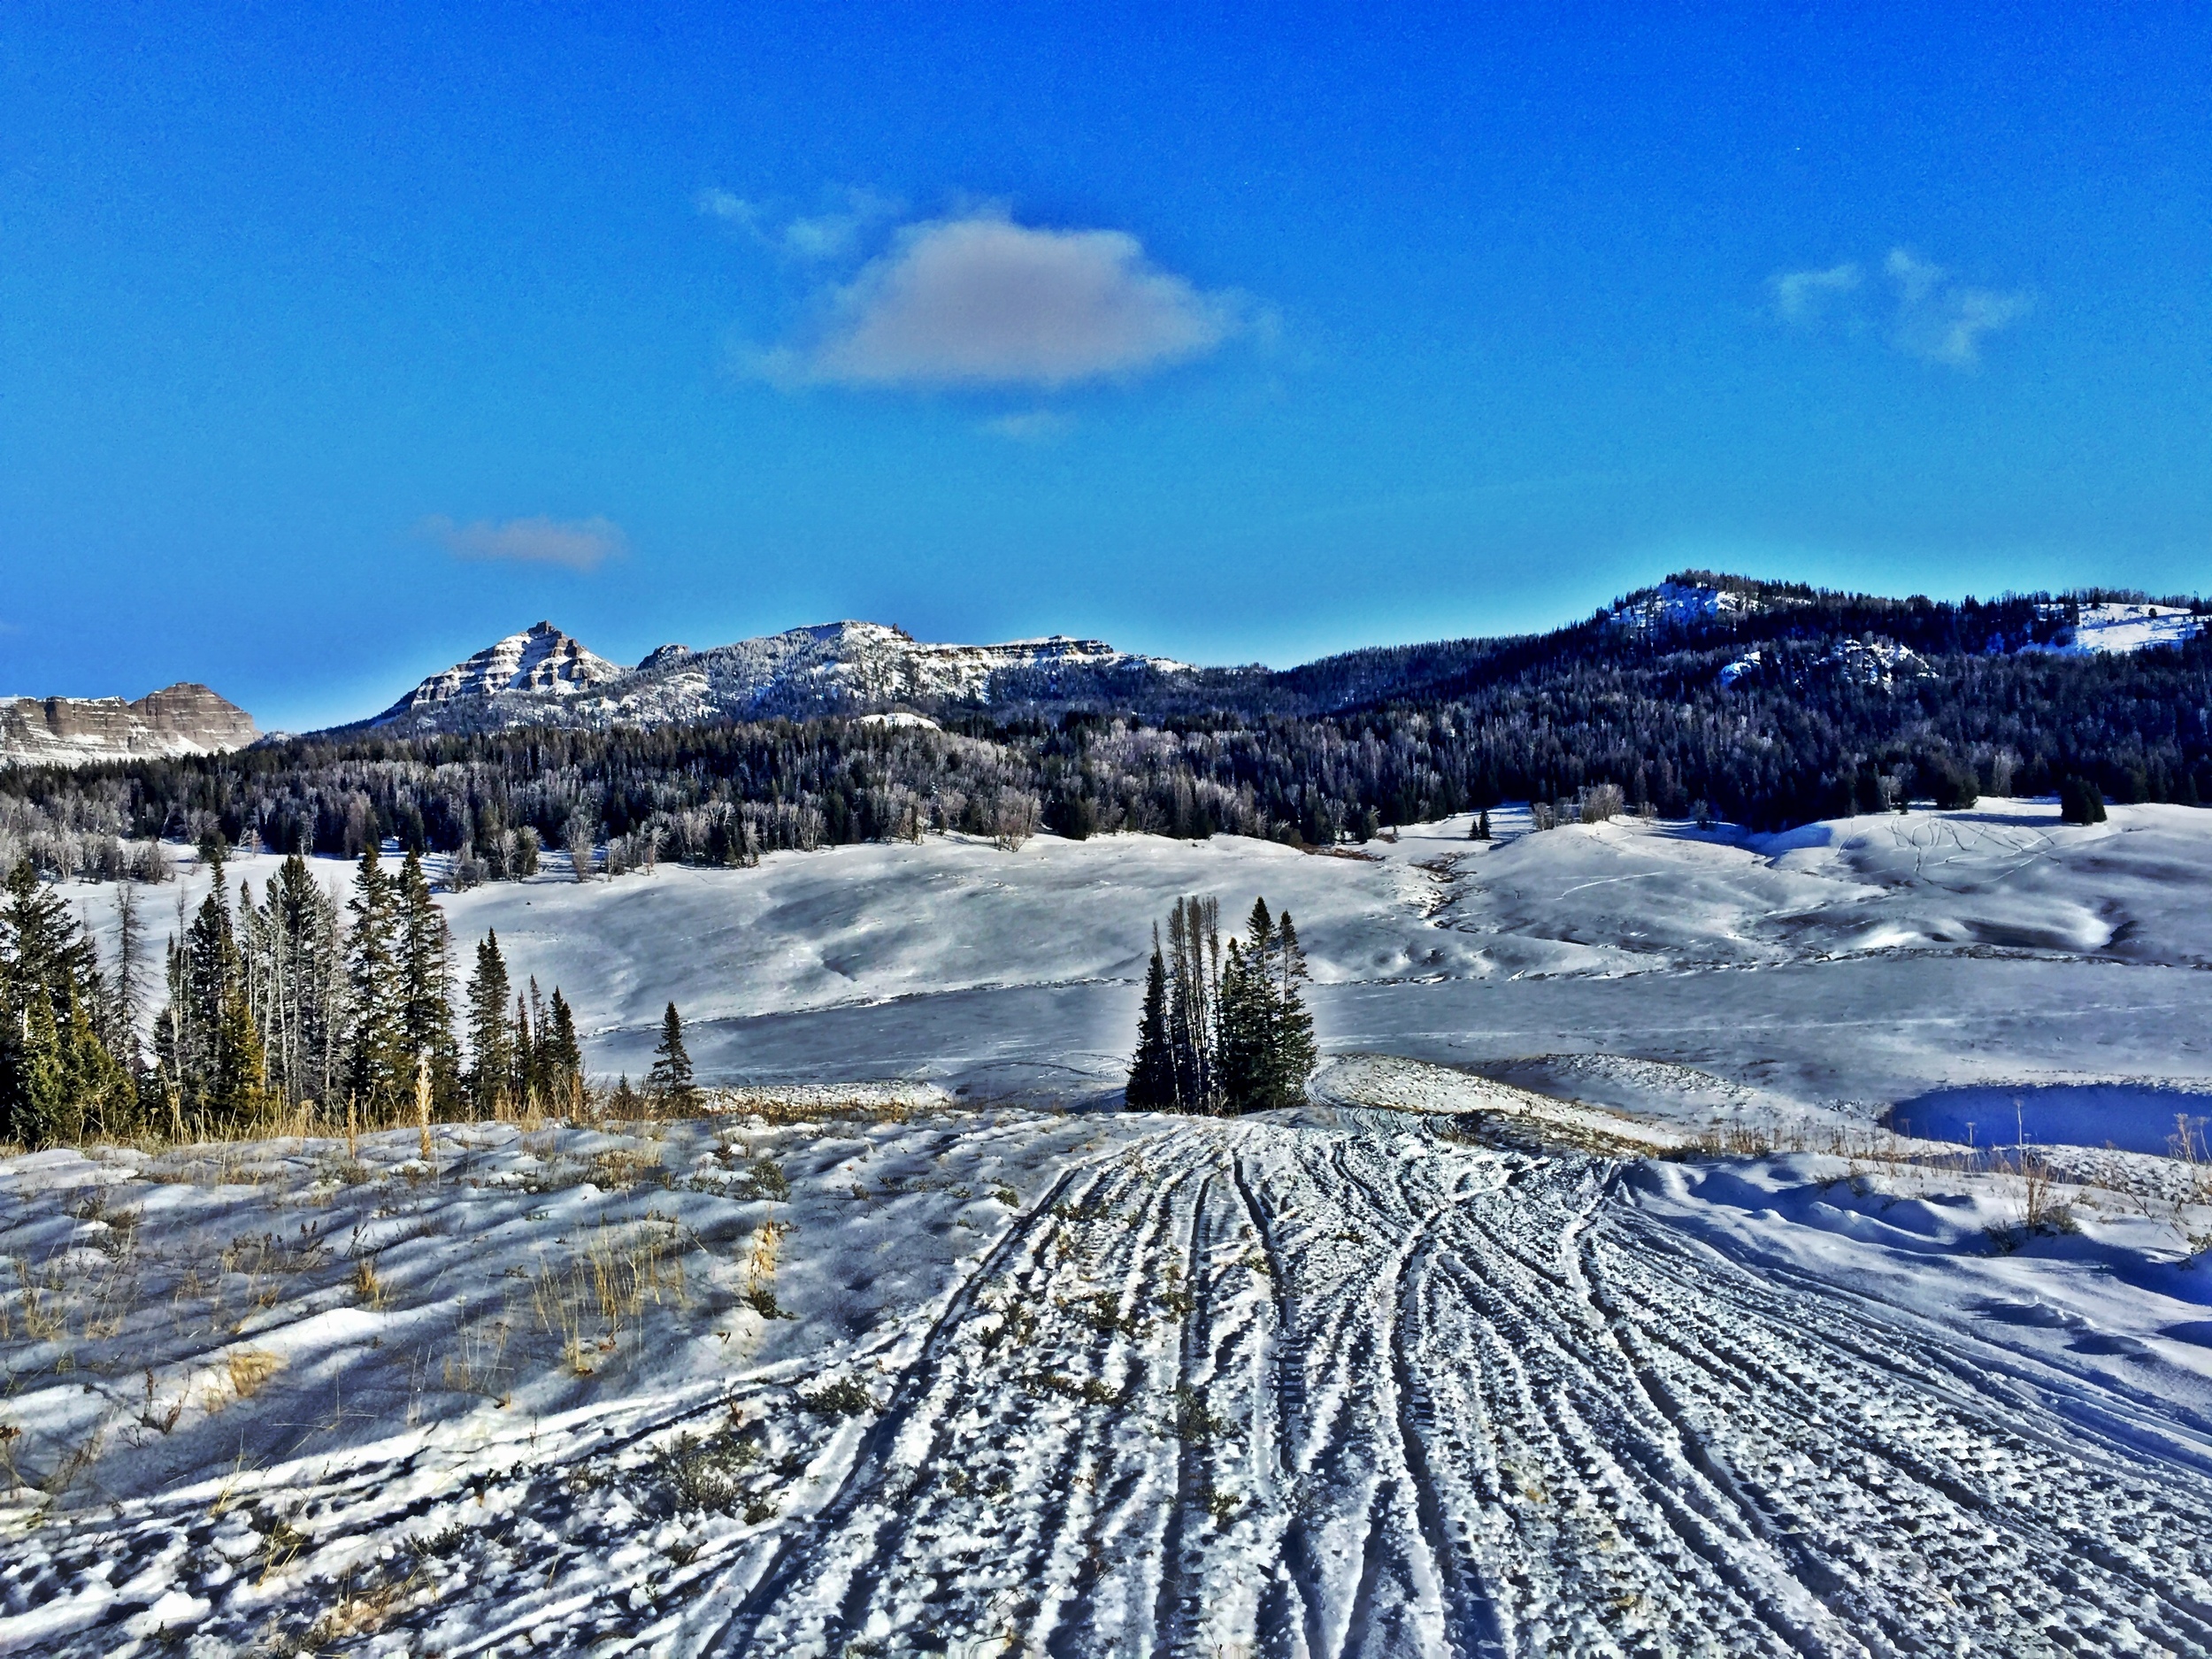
{"x":1252,"y":1388}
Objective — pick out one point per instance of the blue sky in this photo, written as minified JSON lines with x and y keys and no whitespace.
{"x":336,"y":342}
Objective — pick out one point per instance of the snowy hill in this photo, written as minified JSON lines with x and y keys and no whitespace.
{"x":181,"y":720}
{"x":545,"y":677}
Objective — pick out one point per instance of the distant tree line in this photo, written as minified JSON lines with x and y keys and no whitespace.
{"x":1336,"y":751}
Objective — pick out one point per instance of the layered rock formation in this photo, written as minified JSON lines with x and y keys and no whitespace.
{"x":181,"y":720}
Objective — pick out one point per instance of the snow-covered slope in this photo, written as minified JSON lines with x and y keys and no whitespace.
{"x":181,"y":720}
{"x":1851,"y":965}
{"x":544,"y":677}
{"x":2121,"y":628}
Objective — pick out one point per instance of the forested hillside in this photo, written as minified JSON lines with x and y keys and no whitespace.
{"x":1762,"y":703}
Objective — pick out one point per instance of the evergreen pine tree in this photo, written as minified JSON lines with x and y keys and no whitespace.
{"x":426,"y":966}
{"x":234,"y":1093}
{"x":380,"y":1070}
{"x":669,"y":1080}
{"x":524,"y":1082}
{"x":1152,"y":1073}
{"x":2080,"y":801}
{"x":56,"y":1077}
{"x":102,"y":1094}
{"x":1241,"y":1044}
{"x":491,"y":1038}
{"x":564,"y":1058}
{"x":1295,"y":1054}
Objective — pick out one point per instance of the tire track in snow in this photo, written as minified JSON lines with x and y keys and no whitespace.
{"x":1469,"y":1401}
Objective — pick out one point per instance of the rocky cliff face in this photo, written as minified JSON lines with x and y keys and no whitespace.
{"x":179,"y":719}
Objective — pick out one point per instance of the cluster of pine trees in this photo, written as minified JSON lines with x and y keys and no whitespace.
{"x":287,"y":1006}
{"x":63,"y":1022}
{"x":1223,"y":1031}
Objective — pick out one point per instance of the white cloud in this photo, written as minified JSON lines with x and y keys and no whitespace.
{"x":825,"y":235}
{"x":1031,"y":425}
{"x":1934,"y":318}
{"x":724,"y":204}
{"x":579,"y":544}
{"x":980,"y":301}
{"x":1943,"y":322}
{"x":1799,"y":295}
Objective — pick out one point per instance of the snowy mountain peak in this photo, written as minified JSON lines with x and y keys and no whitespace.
{"x":540,"y":659}
{"x":543,"y":676}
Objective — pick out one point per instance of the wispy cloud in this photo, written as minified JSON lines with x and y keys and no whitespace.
{"x":1031,"y":425}
{"x":1929,"y":316}
{"x":829,"y":235}
{"x":1943,"y":321}
{"x":979,"y":301}
{"x":577,"y":544}
{"x":1800,"y":296}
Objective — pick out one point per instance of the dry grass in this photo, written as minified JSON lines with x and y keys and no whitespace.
{"x":362,"y":1612}
{"x":368,"y":1285}
{"x":249,"y":1369}
{"x":601,"y":1289}
{"x":478,"y":1363}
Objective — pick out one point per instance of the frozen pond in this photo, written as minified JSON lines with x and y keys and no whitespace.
{"x":2135,"y":1117}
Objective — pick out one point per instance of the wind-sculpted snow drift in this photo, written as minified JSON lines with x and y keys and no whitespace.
{"x":1352,"y":1383}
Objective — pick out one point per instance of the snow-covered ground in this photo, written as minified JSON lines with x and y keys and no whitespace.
{"x":2128,"y":627}
{"x":1853,"y":963}
{"x":1625,"y":1330}
{"x":1378,"y":1376}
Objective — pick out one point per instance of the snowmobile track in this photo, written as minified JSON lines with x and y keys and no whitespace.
{"x":1333,"y":1394}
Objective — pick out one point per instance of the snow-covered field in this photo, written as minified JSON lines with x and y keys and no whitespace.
{"x":1854,"y":964}
{"x":1369,"y":1379}
{"x":1492,"y":1348}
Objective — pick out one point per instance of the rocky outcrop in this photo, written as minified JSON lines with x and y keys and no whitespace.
{"x":540,"y":659}
{"x":544,"y":678}
{"x":181,"y":720}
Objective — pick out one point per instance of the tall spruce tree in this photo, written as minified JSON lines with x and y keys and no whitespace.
{"x":380,"y":1068}
{"x":296,"y":975}
{"x":491,"y":1076}
{"x":1295,"y":1054}
{"x":524,"y":1082}
{"x":669,"y":1080}
{"x":564,"y":1058}
{"x":1152,"y":1073}
{"x":426,"y":966}
{"x":57,"y":1081}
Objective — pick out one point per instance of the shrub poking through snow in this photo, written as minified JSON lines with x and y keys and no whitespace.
{"x":848,"y":1397}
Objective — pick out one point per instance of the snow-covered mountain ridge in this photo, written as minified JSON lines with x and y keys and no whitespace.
{"x":1778,"y":634}
{"x":545,"y":677}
